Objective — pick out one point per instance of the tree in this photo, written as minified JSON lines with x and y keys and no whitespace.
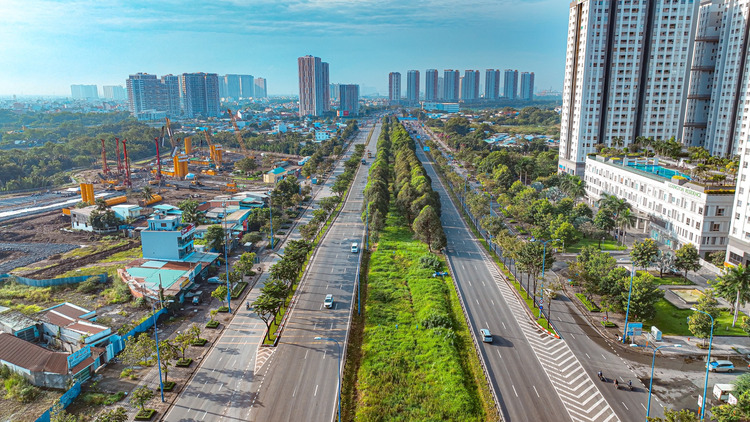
{"x":190,"y":213}
{"x":687,"y":258}
{"x":215,"y":237}
{"x":138,"y":349}
{"x":220,"y":294}
{"x":182,"y":341}
{"x":308,"y":231}
{"x":118,"y":414}
{"x":147,"y":193}
{"x":457,"y":126}
{"x":739,"y":412}
{"x":195,"y":331}
{"x":340,"y":186}
{"x":286,"y":270}
{"x":567,"y":234}
{"x":428,"y":229}
{"x":266,"y":306}
{"x":604,"y":221}
{"x":246,"y":165}
{"x":103,"y":219}
{"x":664,"y":262}
{"x":644,"y":253}
{"x":625,"y":219}
{"x":329,"y":203}
{"x":699,"y":323}
{"x":140,"y":396}
{"x":167,"y":353}
{"x":245,"y":265}
{"x":276,"y":289}
{"x":645,"y":295}
{"x":683,"y":415}
{"x":734,"y":286}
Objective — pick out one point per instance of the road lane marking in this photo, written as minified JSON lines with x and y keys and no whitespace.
{"x":573,"y":335}
{"x":483,"y":284}
{"x":477,"y":300}
{"x":587,"y":355}
{"x":204,"y":415}
{"x":220,"y":385}
{"x":605,"y":358}
{"x":469,"y":283}
{"x":316,"y":390}
{"x":514,"y":389}
{"x":626,"y":406}
{"x":504,"y":327}
{"x":306,"y":352}
{"x":324,"y":353}
{"x":644,"y":407}
{"x":537,"y":393}
{"x":493,"y":302}
{"x":498,"y":353}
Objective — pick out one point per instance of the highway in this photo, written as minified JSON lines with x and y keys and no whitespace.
{"x":300,"y":382}
{"x":225,"y":387}
{"x":537,"y":377}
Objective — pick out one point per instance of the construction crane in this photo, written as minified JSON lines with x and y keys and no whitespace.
{"x":127,"y":182}
{"x":238,"y":135}
{"x":213,"y":153}
{"x":120,"y":170}
{"x":171,"y":137}
{"x":105,"y":167}
{"x":158,"y":158}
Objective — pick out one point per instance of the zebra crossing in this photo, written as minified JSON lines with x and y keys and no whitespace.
{"x":582,"y":399}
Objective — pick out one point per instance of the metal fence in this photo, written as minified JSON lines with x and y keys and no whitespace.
{"x":117,"y":342}
{"x":102,"y":278}
{"x":65,"y":400}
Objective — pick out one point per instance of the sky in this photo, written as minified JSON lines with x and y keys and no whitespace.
{"x":47,"y":45}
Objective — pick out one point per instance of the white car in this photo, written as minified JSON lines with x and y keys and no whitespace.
{"x":328,"y":302}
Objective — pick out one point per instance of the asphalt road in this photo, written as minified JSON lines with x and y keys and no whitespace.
{"x":300,"y":382}
{"x":537,"y":377}
{"x":226,"y":387}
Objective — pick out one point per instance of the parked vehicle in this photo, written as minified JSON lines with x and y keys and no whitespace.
{"x":721,"y":366}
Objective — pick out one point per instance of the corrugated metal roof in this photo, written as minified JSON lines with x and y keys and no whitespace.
{"x":30,"y":356}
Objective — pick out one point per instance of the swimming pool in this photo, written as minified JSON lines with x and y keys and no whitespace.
{"x":658,"y":170}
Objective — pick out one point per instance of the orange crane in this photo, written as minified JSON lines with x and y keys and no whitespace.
{"x":238,"y":135}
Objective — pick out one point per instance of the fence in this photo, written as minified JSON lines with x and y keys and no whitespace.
{"x":65,"y":400}
{"x":53,"y":281}
{"x":117,"y":342}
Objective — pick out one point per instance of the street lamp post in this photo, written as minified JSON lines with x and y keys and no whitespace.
{"x":708,"y":360}
{"x":226,"y":259}
{"x":653,"y":361}
{"x":544,"y":260}
{"x":339,"y":371}
{"x":158,"y":356}
{"x":627,"y":312}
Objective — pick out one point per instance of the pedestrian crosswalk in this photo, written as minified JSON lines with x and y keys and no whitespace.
{"x":581,"y":397}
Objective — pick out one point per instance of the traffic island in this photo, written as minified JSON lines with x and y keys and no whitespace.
{"x":184,"y":363}
{"x":169,"y":385}
{"x":212,"y":324}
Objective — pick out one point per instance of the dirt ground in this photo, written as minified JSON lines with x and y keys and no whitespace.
{"x":13,"y":411}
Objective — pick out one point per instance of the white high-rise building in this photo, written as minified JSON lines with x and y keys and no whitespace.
{"x":394,"y":87}
{"x":527,"y":86}
{"x":510,"y":84}
{"x":431,"y":90}
{"x":491,"y":84}
{"x":470,"y":85}
{"x":412,"y":87}
{"x":314,"y":89}
{"x":626,"y":73}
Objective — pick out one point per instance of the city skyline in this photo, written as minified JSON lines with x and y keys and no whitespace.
{"x":43,"y":54}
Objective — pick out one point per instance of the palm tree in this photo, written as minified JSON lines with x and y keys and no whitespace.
{"x":625,"y":219}
{"x":735,"y":282}
{"x":147,"y":193}
{"x":573,"y":186}
{"x":617,"y":207}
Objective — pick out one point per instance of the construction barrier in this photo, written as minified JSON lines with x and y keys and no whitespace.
{"x":65,"y":400}
{"x":53,"y":281}
{"x":117,"y":342}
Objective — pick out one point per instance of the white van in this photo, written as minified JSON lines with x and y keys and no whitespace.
{"x":355,"y":248}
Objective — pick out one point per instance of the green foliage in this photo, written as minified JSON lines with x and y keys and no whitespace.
{"x":644,"y":253}
{"x":59,"y":414}
{"x":117,"y":414}
{"x":190,"y":213}
{"x":138,"y":349}
{"x":19,"y":389}
{"x":700,"y":323}
{"x":430,"y":261}
{"x":427,"y":228}
{"x":90,"y":285}
{"x":220,"y":294}
{"x":683,"y":415}
{"x":587,"y":303}
{"x":140,"y":396}
{"x":687,"y":258}
{"x":215,"y":237}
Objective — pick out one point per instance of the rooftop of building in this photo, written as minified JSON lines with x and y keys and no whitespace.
{"x":14,"y":320}
{"x":277,"y":171}
{"x":30,"y":356}
{"x":73,"y":318}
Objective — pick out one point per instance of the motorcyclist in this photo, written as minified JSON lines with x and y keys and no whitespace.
{"x":630,"y":384}
{"x":600,"y":375}
{"x":617,"y":384}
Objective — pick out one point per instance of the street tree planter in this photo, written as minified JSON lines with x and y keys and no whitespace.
{"x":145,"y":414}
{"x":212,"y":324}
{"x":184,"y":363}
{"x":199,"y":342}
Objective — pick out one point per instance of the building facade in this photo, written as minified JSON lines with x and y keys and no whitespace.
{"x":232,"y":86}
{"x":527,"y":86}
{"x":394,"y":87}
{"x":84,"y":92}
{"x":431,"y":85}
{"x":314,"y":90}
{"x":335,"y":92}
{"x":167,"y":239}
{"x":114,"y":92}
{"x":200,"y":94}
{"x":349,"y":100}
{"x":451,"y":85}
{"x":247,"y":86}
{"x":510,"y":84}
{"x":261,"y":90}
{"x":470,"y":86}
{"x":412,"y":87}
{"x":626,"y":74}
{"x":672,"y":210}
{"x":491,"y":84}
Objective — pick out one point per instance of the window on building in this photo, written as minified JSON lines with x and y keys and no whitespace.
{"x":715,"y":227}
{"x":719,"y":212}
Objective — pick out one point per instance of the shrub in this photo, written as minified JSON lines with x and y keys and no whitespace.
{"x":126,"y":372}
{"x":430,"y":261}
{"x":91,"y":285}
{"x":18,"y":388}
{"x":4,"y":372}
{"x":437,"y":320}
{"x":587,"y":303}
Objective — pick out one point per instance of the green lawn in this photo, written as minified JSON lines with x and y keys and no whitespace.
{"x":672,"y":321}
{"x":416,"y":353}
{"x":671,"y":280}
{"x":607,"y":245}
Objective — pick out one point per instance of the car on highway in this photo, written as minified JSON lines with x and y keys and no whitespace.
{"x":355,"y":248}
{"x":486,"y":335}
{"x":721,"y":366}
{"x":328,"y":302}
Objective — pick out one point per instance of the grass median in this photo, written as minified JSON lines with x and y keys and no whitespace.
{"x":417,"y":357}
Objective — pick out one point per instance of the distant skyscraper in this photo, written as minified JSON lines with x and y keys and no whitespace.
{"x":232,"y":83}
{"x":441,"y":88}
{"x":470,"y":85}
{"x":431,"y":85}
{"x":335,"y":92}
{"x":527,"y":86}
{"x":171,"y":92}
{"x":247,"y":86}
{"x":491,"y":84}
{"x":314,"y":90}
{"x":146,"y":93}
{"x":394,"y":87}
{"x":510,"y":85}
{"x":261,"y":91}
{"x":451,"y":81}
{"x":200,"y":94}
{"x":349,"y":100}
{"x":114,"y":92}
{"x":84,"y":92}
{"x":412,"y":87}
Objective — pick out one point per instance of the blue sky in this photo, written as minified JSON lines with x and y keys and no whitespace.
{"x":47,"y":45}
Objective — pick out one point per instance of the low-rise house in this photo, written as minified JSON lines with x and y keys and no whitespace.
{"x":70,"y":327}
{"x":127,"y":211}
{"x":18,"y":324}
{"x":80,"y":218}
{"x":274,"y":175}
